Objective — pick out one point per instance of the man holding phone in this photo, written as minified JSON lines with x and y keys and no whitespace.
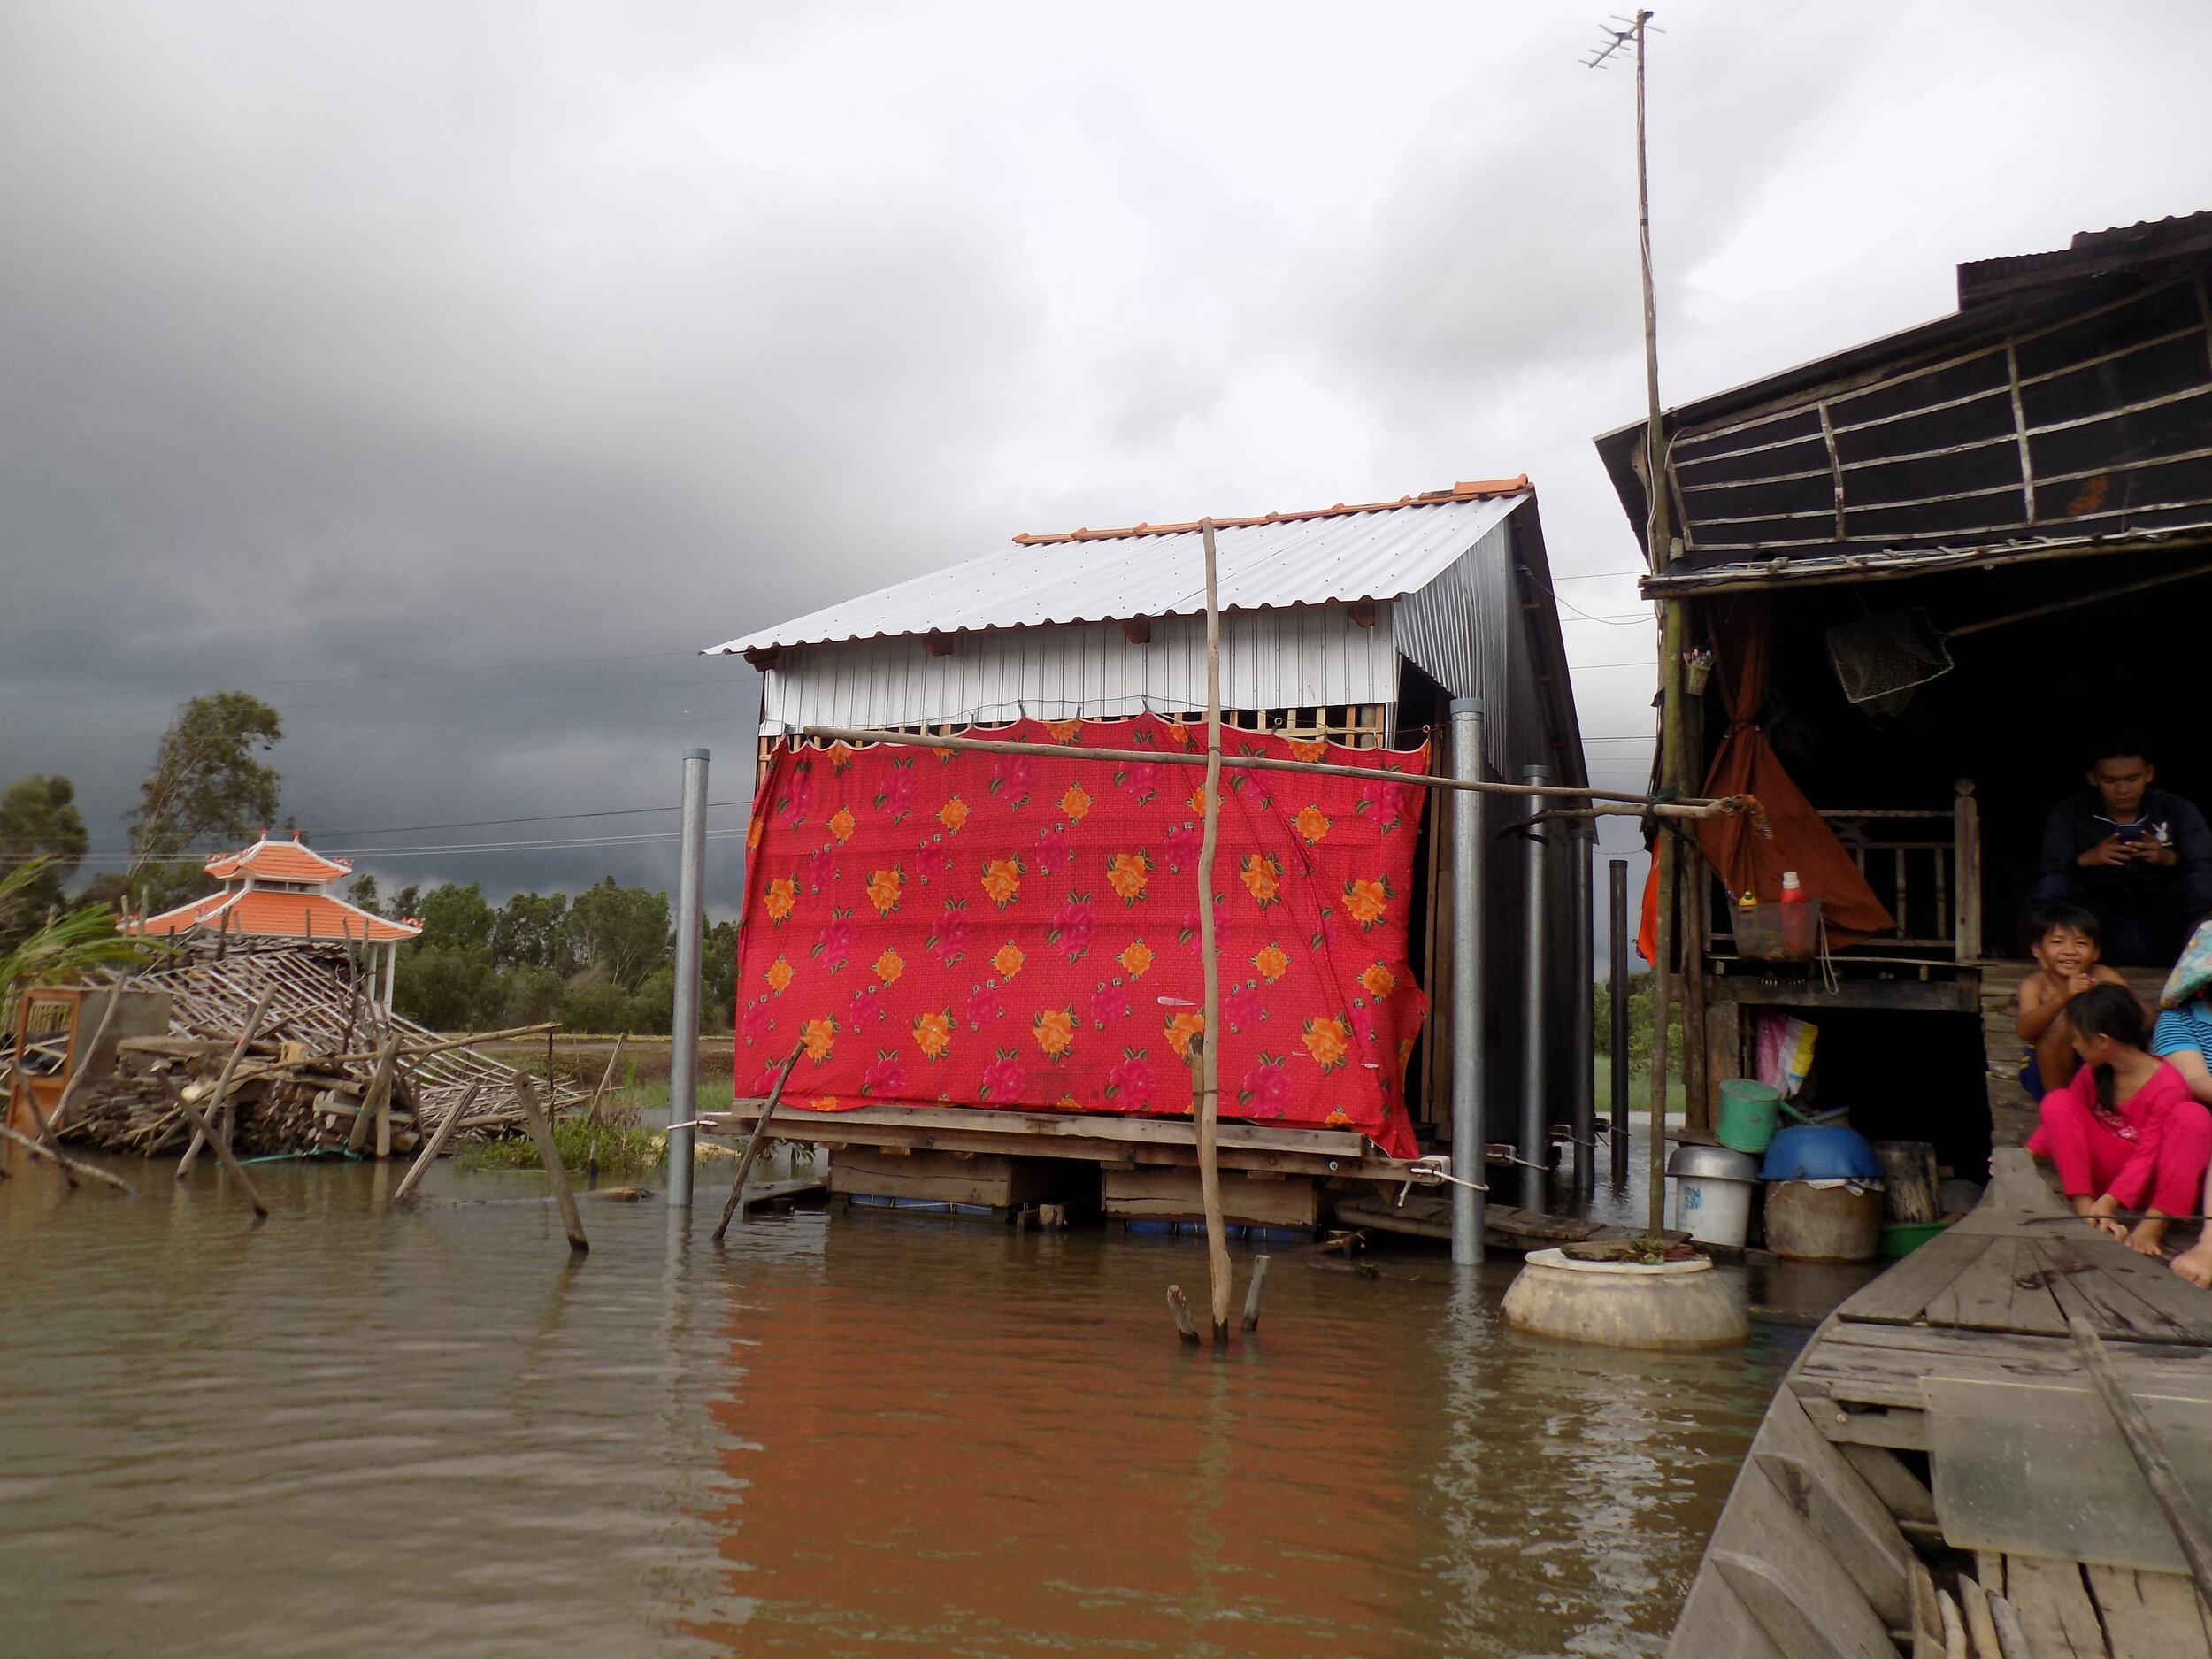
{"x":2137,"y":857}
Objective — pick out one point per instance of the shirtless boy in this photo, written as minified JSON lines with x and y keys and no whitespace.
{"x":2063,"y":941}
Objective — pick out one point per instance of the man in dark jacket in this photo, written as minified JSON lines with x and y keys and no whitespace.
{"x":2139,"y":858}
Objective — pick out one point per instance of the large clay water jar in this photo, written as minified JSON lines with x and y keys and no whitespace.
{"x":1825,"y":1221}
{"x":1626,"y":1304}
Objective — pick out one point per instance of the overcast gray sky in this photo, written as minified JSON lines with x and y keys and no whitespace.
{"x":448,"y":374}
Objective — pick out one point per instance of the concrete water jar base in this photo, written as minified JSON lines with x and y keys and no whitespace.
{"x":1627,"y":1304}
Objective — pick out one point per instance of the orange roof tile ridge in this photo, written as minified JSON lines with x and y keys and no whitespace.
{"x":1475,"y":489}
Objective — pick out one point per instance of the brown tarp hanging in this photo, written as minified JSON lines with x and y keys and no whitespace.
{"x":1746,"y":763}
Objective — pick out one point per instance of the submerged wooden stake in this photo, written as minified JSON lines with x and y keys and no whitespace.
{"x":1209,"y":1054}
{"x":1252,"y":1295}
{"x":736,"y":1206}
{"x":70,"y":1166}
{"x":1179,"y":1305}
{"x":430,"y":1148}
{"x":222,"y":1090}
{"x":556,"y":1174}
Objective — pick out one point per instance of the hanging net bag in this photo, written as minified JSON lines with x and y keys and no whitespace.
{"x":1880,"y":659}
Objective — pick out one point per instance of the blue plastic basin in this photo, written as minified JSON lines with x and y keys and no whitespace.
{"x":1820,"y":1152}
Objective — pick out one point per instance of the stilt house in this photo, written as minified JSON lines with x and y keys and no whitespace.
{"x":1934,"y":570}
{"x":1346,"y":632}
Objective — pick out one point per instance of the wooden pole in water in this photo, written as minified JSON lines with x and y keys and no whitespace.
{"x":222,"y":1090}
{"x":591,"y":1111}
{"x":70,"y":1166}
{"x":1209,"y":1055}
{"x":430,"y":1148}
{"x":1179,"y":1305}
{"x":380,"y":1086}
{"x":556,"y":1174}
{"x":1252,"y":1294}
{"x":736,"y":1205}
{"x":204,"y":1130}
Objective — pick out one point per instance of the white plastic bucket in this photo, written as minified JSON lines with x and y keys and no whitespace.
{"x":1712,"y":1209}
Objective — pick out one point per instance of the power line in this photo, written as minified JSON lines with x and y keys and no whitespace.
{"x":396,"y":673}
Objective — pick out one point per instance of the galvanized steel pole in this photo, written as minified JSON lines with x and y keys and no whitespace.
{"x":1470,"y":907}
{"x":1617,"y":872}
{"x":1535,"y":1080}
{"x":683,"y":1053}
{"x":1582,"y":845}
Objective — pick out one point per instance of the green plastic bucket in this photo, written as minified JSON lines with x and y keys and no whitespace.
{"x":1903,"y":1238}
{"x":1749,"y":1111}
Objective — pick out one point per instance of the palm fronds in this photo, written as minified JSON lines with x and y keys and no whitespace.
{"x":65,"y":950}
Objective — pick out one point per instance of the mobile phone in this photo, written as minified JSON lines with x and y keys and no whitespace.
{"x":2130,"y":833}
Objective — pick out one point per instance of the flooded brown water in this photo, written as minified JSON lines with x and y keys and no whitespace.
{"x":348,"y":1432}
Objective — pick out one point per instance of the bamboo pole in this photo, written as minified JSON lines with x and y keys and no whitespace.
{"x":736,"y":1206}
{"x":1209,"y":1046}
{"x":435,"y":1144}
{"x":1668,"y":854}
{"x":1178,"y":1306}
{"x":1611,"y":804}
{"x":422,"y":1050}
{"x":222,"y":1089}
{"x":549,"y":1152}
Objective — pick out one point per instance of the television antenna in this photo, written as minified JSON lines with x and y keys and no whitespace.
{"x":1621,"y":35}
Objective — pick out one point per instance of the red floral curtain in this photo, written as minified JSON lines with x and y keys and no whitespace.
{"x":1021,"y":932}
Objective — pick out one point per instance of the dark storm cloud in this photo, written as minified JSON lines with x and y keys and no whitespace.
{"x":446,"y":375}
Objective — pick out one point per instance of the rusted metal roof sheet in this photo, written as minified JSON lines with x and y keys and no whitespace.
{"x":1340,"y":554}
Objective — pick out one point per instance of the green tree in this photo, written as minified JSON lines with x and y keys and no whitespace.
{"x":448,"y":990}
{"x":39,"y":820}
{"x":206,"y":789}
{"x":362,"y":891}
{"x":623,"y":931}
{"x":456,"y":918}
{"x":533,"y":932}
{"x":717,"y":977}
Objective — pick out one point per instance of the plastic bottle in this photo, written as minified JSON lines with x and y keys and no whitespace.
{"x":1797,"y":916}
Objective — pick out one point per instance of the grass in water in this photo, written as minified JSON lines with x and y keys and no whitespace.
{"x":619,"y":1145}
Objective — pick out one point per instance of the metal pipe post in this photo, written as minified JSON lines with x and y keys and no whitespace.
{"x":1535,"y":1126}
{"x":1583,"y":845}
{"x":683,"y":1053}
{"x":1617,"y":872}
{"x":1471,"y":1059}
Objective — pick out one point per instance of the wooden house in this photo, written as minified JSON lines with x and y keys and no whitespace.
{"x":1356,"y":625}
{"x":1992,"y":530}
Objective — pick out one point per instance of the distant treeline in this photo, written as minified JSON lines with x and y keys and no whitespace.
{"x":605,"y":960}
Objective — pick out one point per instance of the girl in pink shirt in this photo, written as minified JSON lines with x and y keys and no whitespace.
{"x":2124,"y":1132}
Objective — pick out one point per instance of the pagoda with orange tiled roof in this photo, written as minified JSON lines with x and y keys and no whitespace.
{"x":280,"y":889}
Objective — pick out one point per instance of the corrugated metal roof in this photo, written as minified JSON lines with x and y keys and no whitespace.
{"x":1341,"y":554}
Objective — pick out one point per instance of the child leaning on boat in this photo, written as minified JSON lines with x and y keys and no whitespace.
{"x":2125,"y":1132}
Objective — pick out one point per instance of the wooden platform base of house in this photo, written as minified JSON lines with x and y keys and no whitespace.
{"x":992,"y":1180}
{"x":1248,"y":1198}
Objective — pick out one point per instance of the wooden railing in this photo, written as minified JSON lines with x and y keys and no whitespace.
{"x":1923,"y":863}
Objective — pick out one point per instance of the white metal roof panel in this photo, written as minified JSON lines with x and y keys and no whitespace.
{"x":1344,"y":556}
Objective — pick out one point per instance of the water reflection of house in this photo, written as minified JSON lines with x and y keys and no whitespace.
{"x":280,"y":889}
{"x":1357,"y":624}
{"x":2043,"y":456}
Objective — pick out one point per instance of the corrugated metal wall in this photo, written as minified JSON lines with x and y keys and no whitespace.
{"x":1459,"y":631}
{"x":1298,"y":657}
